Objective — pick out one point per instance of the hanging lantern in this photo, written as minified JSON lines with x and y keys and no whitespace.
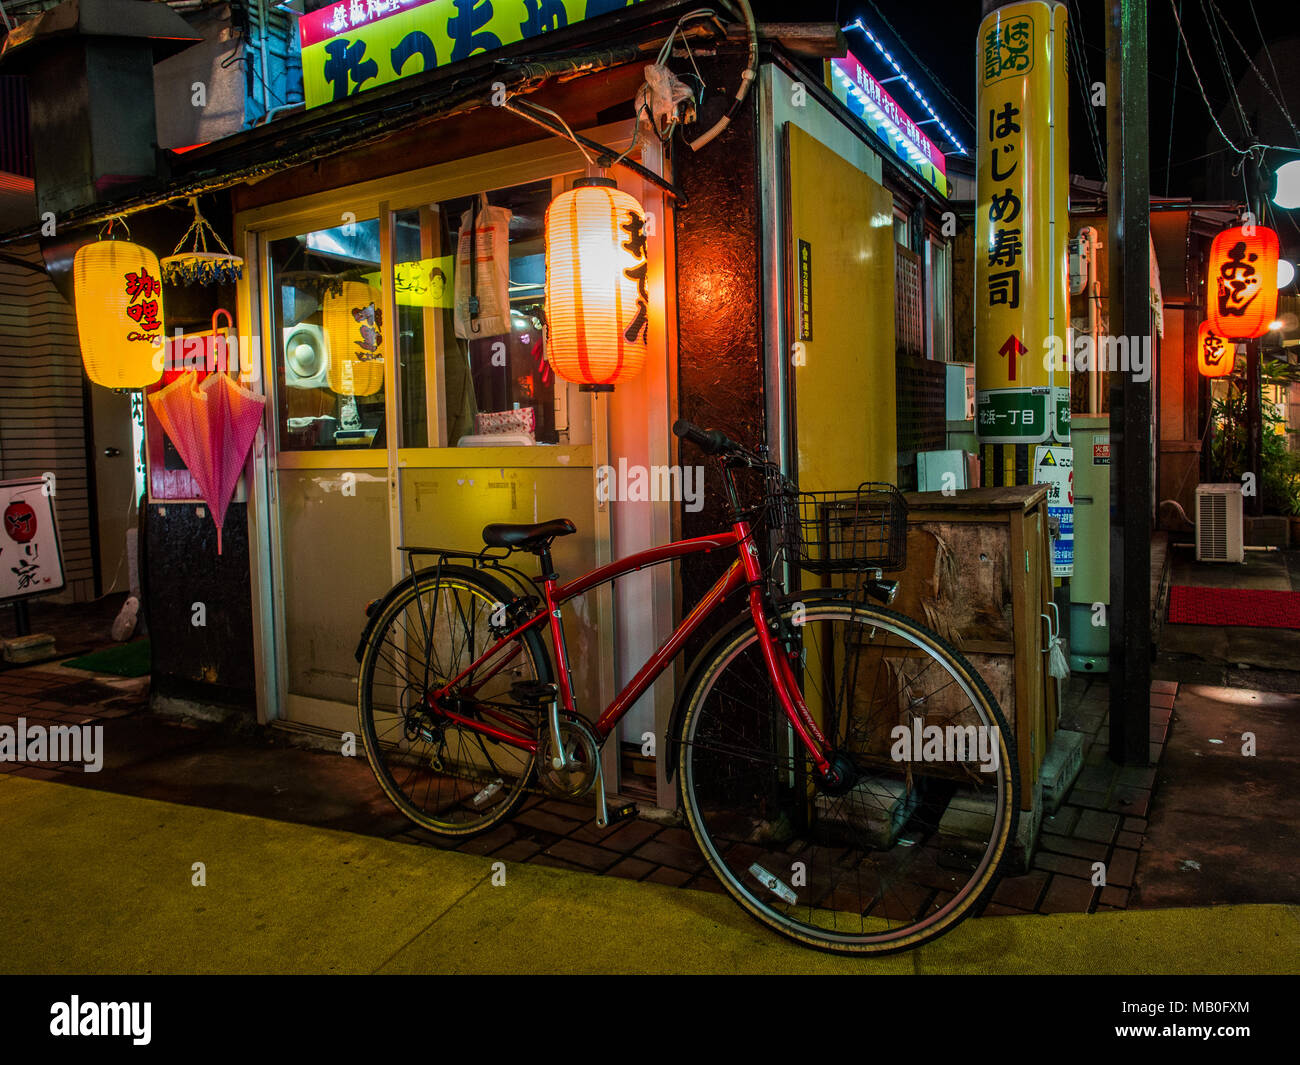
{"x":1242,"y":291}
{"x":597,"y":303}
{"x":118,"y":292}
{"x":1215,"y":355}
{"x":353,"y":320}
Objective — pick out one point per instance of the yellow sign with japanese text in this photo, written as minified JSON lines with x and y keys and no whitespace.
{"x":355,"y":45}
{"x":1021,"y":224}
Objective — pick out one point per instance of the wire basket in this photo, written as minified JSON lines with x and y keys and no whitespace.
{"x":843,"y":532}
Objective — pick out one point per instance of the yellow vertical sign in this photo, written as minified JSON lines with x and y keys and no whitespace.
{"x":1021,"y":226}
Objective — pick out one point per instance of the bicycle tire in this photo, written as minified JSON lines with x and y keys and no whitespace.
{"x":749,"y":792}
{"x":475,"y":782}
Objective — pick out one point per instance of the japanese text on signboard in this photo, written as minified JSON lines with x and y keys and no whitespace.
{"x":354,"y":46}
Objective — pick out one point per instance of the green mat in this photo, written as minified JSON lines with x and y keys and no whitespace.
{"x":124,"y":660}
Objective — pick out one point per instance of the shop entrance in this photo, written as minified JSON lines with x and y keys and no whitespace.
{"x":394,"y":419}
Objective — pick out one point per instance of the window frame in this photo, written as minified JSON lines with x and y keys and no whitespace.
{"x":548,"y":158}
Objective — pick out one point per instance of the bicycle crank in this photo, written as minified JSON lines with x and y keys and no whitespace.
{"x":569,"y":771}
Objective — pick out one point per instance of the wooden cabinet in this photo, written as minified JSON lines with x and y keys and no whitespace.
{"x":979,"y":574}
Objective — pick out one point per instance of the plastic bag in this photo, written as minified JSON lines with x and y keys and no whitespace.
{"x":491,"y":228}
{"x":661,"y":95}
{"x":1057,"y":664}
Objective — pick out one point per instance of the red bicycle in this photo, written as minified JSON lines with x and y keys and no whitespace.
{"x":847,"y":774}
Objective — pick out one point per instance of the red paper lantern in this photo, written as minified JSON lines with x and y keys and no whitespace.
{"x":1243,"y":282}
{"x":20,"y":521}
{"x":1215,"y":355}
{"x":597,"y":303}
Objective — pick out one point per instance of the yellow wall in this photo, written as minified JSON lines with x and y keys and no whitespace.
{"x":843,"y":380}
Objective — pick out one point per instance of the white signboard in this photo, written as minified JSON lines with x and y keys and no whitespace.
{"x":30,"y":561}
{"x":1054,"y":466}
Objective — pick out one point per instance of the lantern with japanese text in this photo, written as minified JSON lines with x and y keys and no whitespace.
{"x":1215,"y":355}
{"x":118,"y":292}
{"x":1242,"y":292}
{"x":597,"y":302}
{"x":353,"y":320}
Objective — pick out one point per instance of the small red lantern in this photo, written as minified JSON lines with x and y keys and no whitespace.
{"x":1243,"y":282}
{"x":1215,"y":355}
{"x":20,"y":521}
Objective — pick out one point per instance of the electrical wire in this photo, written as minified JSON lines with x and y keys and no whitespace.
{"x":1264,"y":42}
{"x":1075,"y":36}
{"x":1191,"y":62}
{"x":1258,"y":73}
{"x":1173,"y":105}
{"x":1226,"y":69}
{"x":961,"y":108}
{"x":514,"y":109}
{"x":746,"y":80}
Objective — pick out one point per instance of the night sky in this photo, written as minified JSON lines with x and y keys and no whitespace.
{"x":942,"y":36}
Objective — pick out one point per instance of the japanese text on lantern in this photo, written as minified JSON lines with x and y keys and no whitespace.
{"x":635,"y":244}
{"x":142,"y":309}
{"x":370,"y":319}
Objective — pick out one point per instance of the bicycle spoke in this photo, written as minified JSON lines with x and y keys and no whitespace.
{"x":877,"y":864}
{"x":445,"y":774}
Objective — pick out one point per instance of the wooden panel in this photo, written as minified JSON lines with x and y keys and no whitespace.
{"x":42,"y":420}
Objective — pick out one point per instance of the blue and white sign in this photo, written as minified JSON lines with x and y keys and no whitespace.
{"x":1054,"y":467}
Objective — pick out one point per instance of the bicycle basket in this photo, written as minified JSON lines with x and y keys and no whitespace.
{"x":842,"y":532}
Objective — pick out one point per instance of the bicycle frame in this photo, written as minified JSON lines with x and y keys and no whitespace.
{"x":744,"y":570}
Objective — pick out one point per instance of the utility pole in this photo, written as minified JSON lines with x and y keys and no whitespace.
{"x":1128,"y":185}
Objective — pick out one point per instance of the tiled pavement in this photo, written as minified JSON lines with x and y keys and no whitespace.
{"x":1103,"y":817}
{"x":48,"y":696}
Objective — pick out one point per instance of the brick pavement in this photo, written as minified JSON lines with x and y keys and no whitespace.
{"x":1103,"y":818}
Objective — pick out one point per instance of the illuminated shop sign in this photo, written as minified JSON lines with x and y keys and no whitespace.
{"x":866,"y":98}
{"x":352,"y":46}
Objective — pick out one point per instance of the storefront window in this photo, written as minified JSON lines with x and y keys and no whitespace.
{"x":327,"y":308}
{"x":472,"y":332}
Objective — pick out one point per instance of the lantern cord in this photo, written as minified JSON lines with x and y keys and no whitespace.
{"x":605,"y":152}
{"x":106,"y":230}
{"x":746,"y":79}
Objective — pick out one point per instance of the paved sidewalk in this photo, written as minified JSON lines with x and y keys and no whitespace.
{"x":96,"y":882}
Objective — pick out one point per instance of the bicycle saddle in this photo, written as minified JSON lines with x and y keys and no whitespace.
{"x":527,"y":536}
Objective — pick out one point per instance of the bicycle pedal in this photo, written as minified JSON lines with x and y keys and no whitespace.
{"x":621,"y":813}
{"x":533,"y":692}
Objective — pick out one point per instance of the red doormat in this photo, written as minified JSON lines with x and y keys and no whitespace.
{"x":1234,"y":606}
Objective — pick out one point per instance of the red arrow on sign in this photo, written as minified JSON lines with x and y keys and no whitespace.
{"x":1011,"y":349}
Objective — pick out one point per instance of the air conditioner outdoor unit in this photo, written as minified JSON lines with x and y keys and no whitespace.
{"x":1219,"y":523}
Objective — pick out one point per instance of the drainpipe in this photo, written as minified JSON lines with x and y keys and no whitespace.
{"x":1091,"y":246}
{"x":266,"y":81}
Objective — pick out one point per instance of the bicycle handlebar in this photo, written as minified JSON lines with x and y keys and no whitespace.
{"x":710,"y":441}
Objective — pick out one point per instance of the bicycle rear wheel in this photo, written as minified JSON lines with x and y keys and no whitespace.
{"x":447,"y":777}
{"x":913,"y":844}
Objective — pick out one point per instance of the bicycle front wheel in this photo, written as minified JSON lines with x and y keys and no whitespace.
{"x":451,"y":778}
{"x":911,"y":843}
